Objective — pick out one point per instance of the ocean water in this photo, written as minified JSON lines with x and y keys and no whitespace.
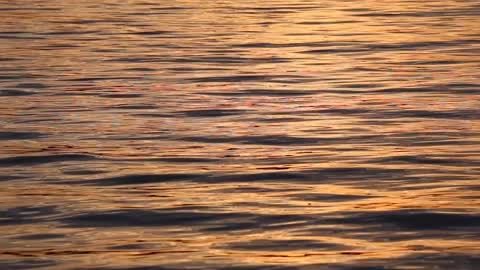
{"x":154,"y":134}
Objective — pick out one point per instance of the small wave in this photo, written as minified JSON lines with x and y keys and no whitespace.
{"x":43,"y":159}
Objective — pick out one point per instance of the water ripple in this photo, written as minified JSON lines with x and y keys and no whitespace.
{"x":239,"y":135}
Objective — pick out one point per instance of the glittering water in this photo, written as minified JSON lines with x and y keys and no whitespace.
{"x":245,"y":135}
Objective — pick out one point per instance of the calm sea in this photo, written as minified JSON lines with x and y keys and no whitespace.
{"x":242,"y":135}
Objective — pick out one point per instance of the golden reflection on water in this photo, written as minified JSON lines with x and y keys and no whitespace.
{"x":164,"y":243}
{"x":295,"y":123}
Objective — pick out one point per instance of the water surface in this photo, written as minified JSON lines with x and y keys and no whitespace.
{"x":239,"y":134}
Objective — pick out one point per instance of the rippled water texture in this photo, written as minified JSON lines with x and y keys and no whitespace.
{"x":243,"y":135}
